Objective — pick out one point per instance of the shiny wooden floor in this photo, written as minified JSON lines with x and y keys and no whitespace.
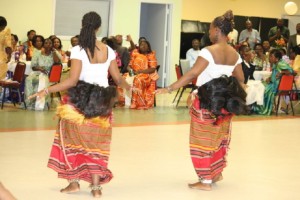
{"x":150,"y":157}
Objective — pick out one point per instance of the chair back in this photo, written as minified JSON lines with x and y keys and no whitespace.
{"x":185,"y":65}
{"x":55,"y":73}
{"x":19,"y":72}
{"x":178,"y":71}
{"x":157,"y":67}
{"x":286,"y":83}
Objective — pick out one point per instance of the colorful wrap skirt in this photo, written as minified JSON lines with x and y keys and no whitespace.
{"x":81,"y":146}
{"x":209,"y":141}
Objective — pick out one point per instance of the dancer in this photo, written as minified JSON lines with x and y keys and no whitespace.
{"x":212,"y":111}
{"x":82,"y":142}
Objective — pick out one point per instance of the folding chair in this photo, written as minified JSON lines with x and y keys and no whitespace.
{"x":15,"y":83}
{"x":54,"y":77}
{"x":190,"y":85}
{"x":285,"y":88}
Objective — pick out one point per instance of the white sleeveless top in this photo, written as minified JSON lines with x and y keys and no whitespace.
{"x":93,"y":73}
{"x":214,"y":70}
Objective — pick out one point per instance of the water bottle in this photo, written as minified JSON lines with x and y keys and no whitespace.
{"x":17,"y":55}
{"x":268,"y":67}
{"x":131,"y":73}
{"x":264,"y":66}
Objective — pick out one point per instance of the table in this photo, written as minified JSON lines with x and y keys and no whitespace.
{"x":261,"y":75}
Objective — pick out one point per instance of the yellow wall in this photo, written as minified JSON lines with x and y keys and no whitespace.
{"x":207,"y":10}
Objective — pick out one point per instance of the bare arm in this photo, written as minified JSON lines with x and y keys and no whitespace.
{"x":115,"y":73}
{"x":71,"y":81}
{"x":199,"y":66}
{"x":239,"y":74}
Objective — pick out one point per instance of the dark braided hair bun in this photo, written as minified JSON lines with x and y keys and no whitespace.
{"x":224,"y":22}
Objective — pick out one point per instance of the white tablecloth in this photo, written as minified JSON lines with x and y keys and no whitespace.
{"x":255,"y":92}
{"x":12,"y":66}
{"x":261,"y":75}
{"x":128,"y":94}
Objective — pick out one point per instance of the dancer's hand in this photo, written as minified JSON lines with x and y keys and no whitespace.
{"x":162,"y":91}
{"x":39,"y":94}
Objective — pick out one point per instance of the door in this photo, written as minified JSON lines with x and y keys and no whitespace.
{"x":155,"y":27}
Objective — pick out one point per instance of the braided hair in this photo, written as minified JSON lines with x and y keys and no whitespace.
{"x":87,"y":38}
{"x":224,"y":22}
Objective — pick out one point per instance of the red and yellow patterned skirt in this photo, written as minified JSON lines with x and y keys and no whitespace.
{"x":81,"y":146}
{"x":209,"y":141}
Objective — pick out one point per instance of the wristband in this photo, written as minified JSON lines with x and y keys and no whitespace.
{"x":46,"y":91}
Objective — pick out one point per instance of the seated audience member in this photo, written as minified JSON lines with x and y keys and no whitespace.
{"x":111,"y":42}
{"x":18,"y":53}
{"x":143,"y":65}
{"x":52,"y":37}
{"x":123,"y":53}
{"x":242,"y":49}
{"x":247,"y":67}
{"x":132,"y":45}
{"x":28,"y":47}
{"x":58,"y":47}
{"x":193,"y":53}
{"x":266,"y":47}
{"x":74,"y":42}
{"x":285,"y":57}
{"x":260,"y":60}
{"x":278,"y":66}
{"x":38,"y":79}
{"x":37,"y":42}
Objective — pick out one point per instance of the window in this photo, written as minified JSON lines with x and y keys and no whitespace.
{"x":68,"y":15}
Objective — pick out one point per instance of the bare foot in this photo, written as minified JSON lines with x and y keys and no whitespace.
{"x":71,"y":188}
{"x":200,"y":186}
{"x":217,"y":178}
{"x":96,"y":193}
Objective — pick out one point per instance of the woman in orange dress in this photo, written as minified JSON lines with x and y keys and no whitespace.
{"x":143,"y":64}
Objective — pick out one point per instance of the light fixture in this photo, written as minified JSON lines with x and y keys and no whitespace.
{"x":291,"y":8}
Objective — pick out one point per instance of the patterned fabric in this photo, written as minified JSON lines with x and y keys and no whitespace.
{"x":145,"y":83}
{"x":37,"y":78}
{"x":5,"y":41}
{"x":271,"y":89}
{"x":81,"y":146}
{"x":209,"y":141}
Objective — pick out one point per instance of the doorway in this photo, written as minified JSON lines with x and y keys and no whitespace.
{"x":155,"y":27}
